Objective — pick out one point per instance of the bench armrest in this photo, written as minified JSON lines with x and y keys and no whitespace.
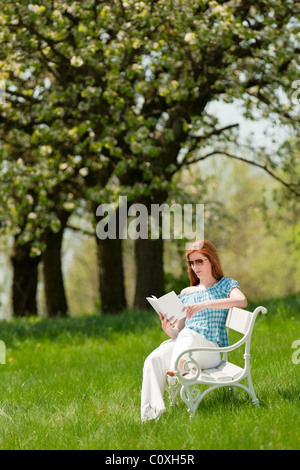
{"x":208,"y":349}
{"x":225,"y":349}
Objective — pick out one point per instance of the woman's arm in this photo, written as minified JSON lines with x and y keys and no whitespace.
{"x":236,"y":299}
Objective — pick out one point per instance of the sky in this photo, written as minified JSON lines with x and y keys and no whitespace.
{"x":261,"y":129}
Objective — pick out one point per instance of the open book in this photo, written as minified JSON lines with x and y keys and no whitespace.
{"x":169,"y":304}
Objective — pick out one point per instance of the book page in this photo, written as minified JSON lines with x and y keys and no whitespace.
{"x":169,"y":304}
{"x":153,"y":301}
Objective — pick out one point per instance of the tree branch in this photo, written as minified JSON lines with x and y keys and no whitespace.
{"x":185,"y":161}
{"x":291,"y":187}
{"x":265,"y":100}
{"x":217,"y":131}
{"x":122,"y":9}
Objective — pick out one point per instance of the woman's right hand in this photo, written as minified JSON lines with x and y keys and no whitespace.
{"x":167,"y":325}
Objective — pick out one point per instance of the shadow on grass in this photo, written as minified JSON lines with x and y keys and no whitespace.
{"x":86,"y":326}
{"x":108,"y":326}
{"x":219,"y":402}
{"x":290,"y":393}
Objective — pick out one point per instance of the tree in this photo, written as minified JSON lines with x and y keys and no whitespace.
{"x":126,"y":86}
{"x":25,"y":278}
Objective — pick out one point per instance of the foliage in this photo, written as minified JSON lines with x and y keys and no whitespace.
{"x":74,"y":383}
{"x":256,"y":237}
{"x":115,"y":88}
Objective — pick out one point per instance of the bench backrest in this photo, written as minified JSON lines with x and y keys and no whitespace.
{"x":239,"y":320}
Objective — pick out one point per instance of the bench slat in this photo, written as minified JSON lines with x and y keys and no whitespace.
{"x":225,"y":371}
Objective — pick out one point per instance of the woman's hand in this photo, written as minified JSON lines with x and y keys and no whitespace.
{"x":191,"y":309}
{"x":167,"y":325}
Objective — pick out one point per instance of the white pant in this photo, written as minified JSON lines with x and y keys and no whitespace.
{"x":163,"y":359}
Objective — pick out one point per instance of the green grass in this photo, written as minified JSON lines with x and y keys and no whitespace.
{"x":75,"y":384}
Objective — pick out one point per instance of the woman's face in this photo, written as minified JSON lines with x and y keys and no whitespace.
{"x":199,"y":264}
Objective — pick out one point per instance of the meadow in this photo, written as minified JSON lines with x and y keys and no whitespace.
{"x":75,"y":383}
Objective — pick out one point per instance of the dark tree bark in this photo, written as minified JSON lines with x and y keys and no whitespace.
{"x":111,"y":276}
{"x":25,"y":279}
{"x":149,"y":259}
{"x":149,"y":271}
{"x":56,"y":300}
{"x":111,"y":273}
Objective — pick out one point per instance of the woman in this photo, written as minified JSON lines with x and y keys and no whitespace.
{"x":206,"y":301}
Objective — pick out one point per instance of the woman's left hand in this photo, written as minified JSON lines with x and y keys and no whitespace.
{"x":191,"y":309}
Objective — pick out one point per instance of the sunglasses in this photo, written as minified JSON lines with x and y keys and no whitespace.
{"x":197,"y":262}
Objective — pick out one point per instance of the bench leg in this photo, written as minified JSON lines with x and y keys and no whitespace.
{"x":173,"y":388}
{"x":251,"y":391}
{"x":233,"y":393}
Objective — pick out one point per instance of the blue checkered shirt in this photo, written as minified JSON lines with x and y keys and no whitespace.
{"x":210,"y":322}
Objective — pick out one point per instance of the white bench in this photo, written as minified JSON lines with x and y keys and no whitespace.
{"x":226,"y":374}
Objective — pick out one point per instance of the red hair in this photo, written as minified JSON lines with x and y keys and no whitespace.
{"x":207,"y":249}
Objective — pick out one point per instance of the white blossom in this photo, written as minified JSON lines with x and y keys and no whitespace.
{"x":76,"y":61}
{"x":190,"y":38}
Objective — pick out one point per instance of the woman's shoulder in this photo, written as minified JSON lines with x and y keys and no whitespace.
{"x":227,"y":283}
{"x":187,"y":290}
{"x":228,"y":280}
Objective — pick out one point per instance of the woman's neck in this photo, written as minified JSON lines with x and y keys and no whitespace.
{"x":208,"y":281}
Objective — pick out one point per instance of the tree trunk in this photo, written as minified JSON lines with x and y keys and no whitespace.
{"x":111,"y":272}
{"x":56,"y":300}
{"x":149,"y":271}
{"x":149,"y":259}
{"x":25,"y":279}
{"x":111,"y":275}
